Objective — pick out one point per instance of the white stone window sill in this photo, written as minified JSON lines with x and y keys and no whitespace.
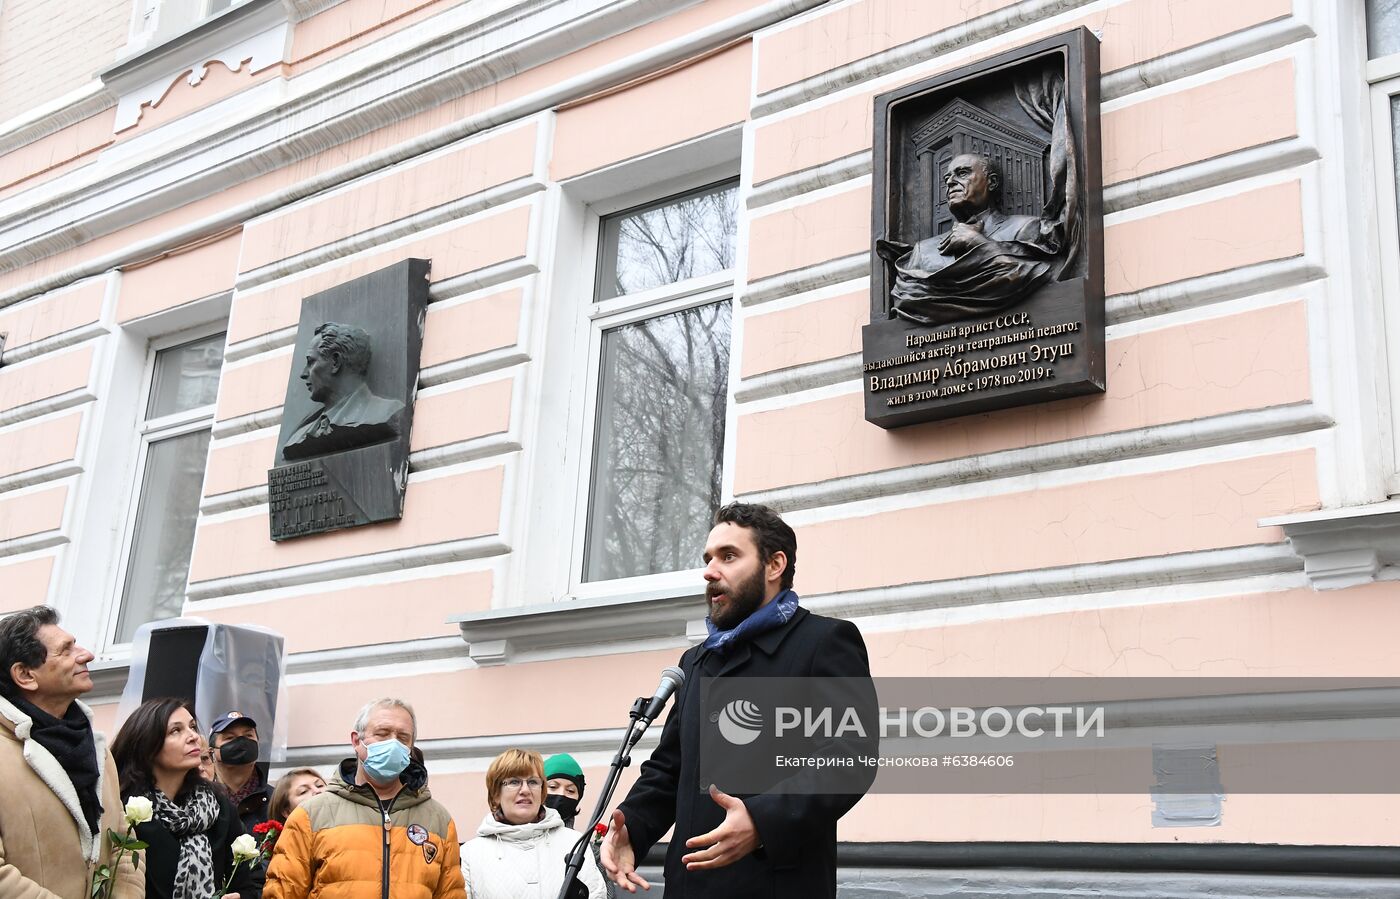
{"x":504,"y":635}
{"x":1344,"y":547}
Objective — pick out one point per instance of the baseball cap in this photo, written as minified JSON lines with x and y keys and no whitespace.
{"x":227,"y":720}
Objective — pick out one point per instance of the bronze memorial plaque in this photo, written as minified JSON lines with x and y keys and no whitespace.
{"x":342,"y":459}
{"x":987,"y":275}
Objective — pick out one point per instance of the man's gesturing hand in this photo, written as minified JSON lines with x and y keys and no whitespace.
{"x":735,"y":838}
{"x":619,"y":862}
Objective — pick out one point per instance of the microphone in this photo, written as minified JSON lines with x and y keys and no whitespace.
{"x":671,"y":680}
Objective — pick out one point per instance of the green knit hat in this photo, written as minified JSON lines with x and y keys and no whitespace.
{"x":563,"y":765}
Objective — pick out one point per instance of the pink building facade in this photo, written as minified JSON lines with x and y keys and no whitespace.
{"x":177,"y":180}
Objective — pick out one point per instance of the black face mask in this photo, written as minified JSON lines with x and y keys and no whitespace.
{"x":566,"y":806}
{"x":239,"y":751}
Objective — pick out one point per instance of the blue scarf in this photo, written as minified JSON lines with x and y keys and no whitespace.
{"x":767,"y":618}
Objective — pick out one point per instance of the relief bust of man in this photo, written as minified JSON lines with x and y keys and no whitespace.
{"x":986,"y":262}
{"x":349,"y":415}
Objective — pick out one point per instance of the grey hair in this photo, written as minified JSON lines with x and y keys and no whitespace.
{"x":349,"y":342}
{"x":388,"y":702}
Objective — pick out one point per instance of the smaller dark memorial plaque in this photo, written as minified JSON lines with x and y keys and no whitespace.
{"x":342,"y":459}
{"x":987,"y":283}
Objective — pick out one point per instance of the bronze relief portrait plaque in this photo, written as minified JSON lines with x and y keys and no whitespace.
{"x":987,"y":266}
{"x":342,"y":456}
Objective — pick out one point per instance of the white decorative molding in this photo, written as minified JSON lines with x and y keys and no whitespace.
{"x":801,"y":280}
{"x":245,"y":498}
{"x":1247,"y":163}
{"x":498,"y":636}
{"x":242,"y":424}
{"x":263,"y":343}
{"x":1072,"y":580}
{"x":907,"y":58}
{"x":61,"y":341}
{"x":422,"y":460}
{"x":1247,"y":281}
{"x":407,"y":652}
{"x":438,"y":291}
{"x":794,"y":184}
{"x":1344,"y":547}
{"x":572,"y":628}
{"x":54,"y":472}
{"x":305,"y":9}
{"x":983,"y":28}
{"x":491,"y":652}
{"x":470,"y":366}
{"x":799,"y":378}
{"x":546,"y":743}
{"x":257,"y":32}
{"x":1158,"y":300}
{"x":45,"y":406}
{"x":390,"y":560}
{"x":40,"y":122}
{"x":32,"y":542}
{"x":455,"y":53}
{"x":1204,"y":57}
{"x":1206,"y":173}
{"x":109,"y":675}
{"x":489,"y":199}
{"x":1236,"y":427}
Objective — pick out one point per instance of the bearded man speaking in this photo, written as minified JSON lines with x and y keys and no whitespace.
{"x":777,"y":843}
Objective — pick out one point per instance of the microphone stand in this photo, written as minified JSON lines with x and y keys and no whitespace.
{"x":573,"y":888}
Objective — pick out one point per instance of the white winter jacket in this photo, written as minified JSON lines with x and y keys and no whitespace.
{"x":524,"y":861}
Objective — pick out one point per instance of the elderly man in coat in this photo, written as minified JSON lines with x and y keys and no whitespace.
{"x":61,"y":791}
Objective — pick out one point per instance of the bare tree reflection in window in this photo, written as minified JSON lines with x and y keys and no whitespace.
{"x":668,"y":242}
{"x":1382,"y":27}
{"x":660,"y":435}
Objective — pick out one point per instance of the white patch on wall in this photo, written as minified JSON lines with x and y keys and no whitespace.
{"x":1188,"y":791}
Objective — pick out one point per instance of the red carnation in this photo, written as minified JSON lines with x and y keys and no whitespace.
{"x":265,"y":827}
{"x":600,"y":828}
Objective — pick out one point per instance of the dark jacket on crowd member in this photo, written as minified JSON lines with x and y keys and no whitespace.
{"x":797,"y":833}
{"x":252,"y":810}
{"x":164,"y":853}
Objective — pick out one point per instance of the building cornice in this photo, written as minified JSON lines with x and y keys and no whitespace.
{"x":40,"y":122}
{"x":257,"y":32}
{"x":433,"y":62}
{"x":1344,"y":547}
{"x":501,"y":635}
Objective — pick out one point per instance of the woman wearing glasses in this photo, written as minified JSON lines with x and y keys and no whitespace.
{"x":519,"y":849}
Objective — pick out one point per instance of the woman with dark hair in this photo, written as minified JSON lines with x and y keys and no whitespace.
{"x":192,"y":830}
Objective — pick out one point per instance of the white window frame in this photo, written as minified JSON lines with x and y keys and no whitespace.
{"x":149,"y":431}
{"x":548,"y":528}
{"x":149,"y":27}
{"x":601,"y":316}
{"x":1383,"y":85}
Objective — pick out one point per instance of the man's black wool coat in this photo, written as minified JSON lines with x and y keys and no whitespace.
{"x":797,"y":856}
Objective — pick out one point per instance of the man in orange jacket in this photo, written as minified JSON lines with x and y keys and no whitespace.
{"x":376,"y":831}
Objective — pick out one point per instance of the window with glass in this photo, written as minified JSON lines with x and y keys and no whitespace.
{"x":1383,"y":77}
{"x":165,"y":19}
{"x":662,"y":316}
{"x":174,"y":434}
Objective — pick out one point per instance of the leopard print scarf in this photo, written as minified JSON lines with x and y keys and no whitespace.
{"x":190,"y":822}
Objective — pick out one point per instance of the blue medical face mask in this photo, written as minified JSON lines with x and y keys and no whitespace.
{"x":385,"y":760}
